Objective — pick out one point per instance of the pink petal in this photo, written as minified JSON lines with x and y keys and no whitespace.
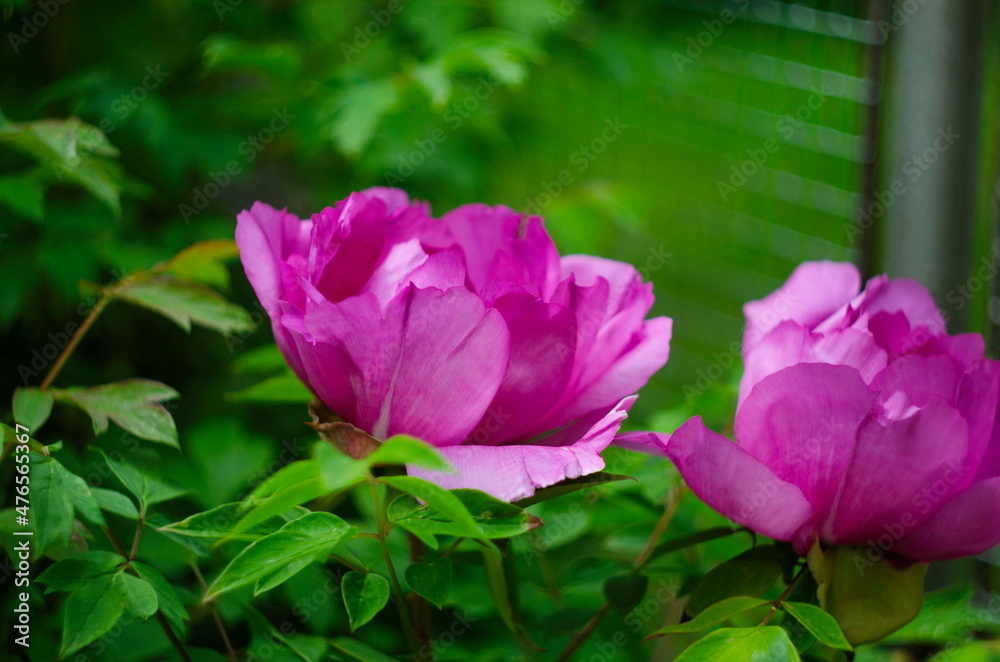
{"x":968,"y":523}
{"x":541,"y":363}
{"x":512,"y":473}
{"x":802,"y":423}
{"x":899,"y":295}
{"x":740,"y":487}
{"x":346,"y":246}
{"x":893,"y":462}
{"x":267,"y":239}
{"x":813,"y":292}
{"x":428,"y":365}
{"x":501,"y":244}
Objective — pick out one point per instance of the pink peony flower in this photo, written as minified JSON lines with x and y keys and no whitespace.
{"x":860,"y":422}
{"x":469,"y":332}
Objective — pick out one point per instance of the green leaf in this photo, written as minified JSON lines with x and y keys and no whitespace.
{"x":80,"y":495}
{"x":339,"y":471}
{"x":624,"y":592}
{"x":24,"y":195}
{"x":218,"y":523}
{"x":133,"y":404}
{"x":571,"y":485}
{"x":750,"y":574}
{"x":115,"y":502}
{"x":91,"y":612}
{"x":78,"y":571}
{"x":712,"y":616}
{"x":869,"y":599}
{"x":281,"y":575}
{"x":308,"y":536}
{"x":204,"y":262}
{"x":32,"y":407}
{"x":676,"y":544}
{"x":185,"y":302}
{"x":365,"y":594}
{"x":494,"y":518}
{"x":947,"y":617}
{"x":166,"y":598}
{"x":760,"y":644}
{"x":260,"y":360}
{"x":294,"y":485}
{"x":431,"y":580}
{"x":146,"y":488}
{"x":358,"y":650}
{"x":402,"y":449}
{"x":444,"y":502}
{"x":362,"y":107}
{"x":51,"y":514}
{"x":820,"y":624}
{"x":140,"y":596}
{"x":284,"y":388}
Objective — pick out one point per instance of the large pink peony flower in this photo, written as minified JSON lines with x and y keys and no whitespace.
{"x":860,"y":422}
{"x":469,"y":332}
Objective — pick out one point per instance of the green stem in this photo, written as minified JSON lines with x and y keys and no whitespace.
{"x":399,"y":598}
{"x":220,"y":626}
{"x":160,"y":618}
{"x":582,"y":635}
{"x":784,"y":595}
{"x":75,"y":340}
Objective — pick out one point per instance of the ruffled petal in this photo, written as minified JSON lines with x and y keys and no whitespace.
{"x":501,"y":244}
{"x":813,"y":292}
{"x":968,"y":523}
{"x":894,"y":462}
{"x":740,"y":487}
{"x":512,"y":473}
{"x":802,"y":422}
{"x":428,"y":365}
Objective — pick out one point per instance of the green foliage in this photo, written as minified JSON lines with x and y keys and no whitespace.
{"x":731,"y":644}
{"x":365,"y":594}
{"x":133,"y":404}
{"x":431,"y":580}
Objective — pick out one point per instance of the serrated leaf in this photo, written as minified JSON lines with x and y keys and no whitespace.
{"x":431,"y":580}
{"x":140,"y":596}
{"x":115,"y":502}
{"x":403,"y":449}
{"x":308,"y":536}
{"x":624,"y":592}
{"x":91,"y":612}
{"x":166,"y":598}
{"x":32,"y":407}
{"x":760,"y":644}
{"x":820,"y":624}
{"x":146,"y":488}
{"x":133,"y":404}
{"x":51,"y":514}
{"x":362,"y":107}
{"x":494,"y":518}
{"x":80,"y":495}
{"x":713,"y":615}
{"x":365,"y":594}
{"x":77,"y":571}
{"x":185,"y":302}
{"x":749,"y":574}
{"x":204,"y":262}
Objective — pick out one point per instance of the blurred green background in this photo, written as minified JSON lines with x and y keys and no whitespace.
{"x":715,"y":145}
